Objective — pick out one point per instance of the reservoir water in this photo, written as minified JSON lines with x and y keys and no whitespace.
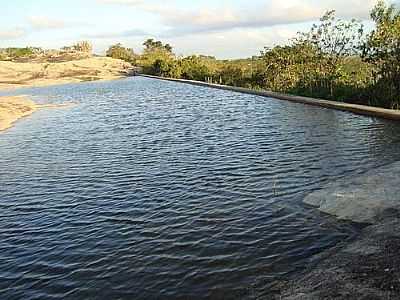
{"x":157,"y":190}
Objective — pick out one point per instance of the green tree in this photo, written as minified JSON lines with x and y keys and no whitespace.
{"x":333,"y":40}
{"x":119,"y":52}
{"x":166,"y":68}
{"x":152,"y":45}
{"x":195,"y":68}
{"x":382,"y":50}
{"x":156,"y":56}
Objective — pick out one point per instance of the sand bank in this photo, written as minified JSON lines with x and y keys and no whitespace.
{"x":16,"y":75}
{"x":13,"y":108}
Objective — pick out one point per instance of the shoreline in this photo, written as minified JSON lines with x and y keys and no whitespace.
{"x":13,"y":108}
{"x":52,"y":82}
{"x":364,"y":110}
{"x":15,"y":75}
{"x":367,"y":267}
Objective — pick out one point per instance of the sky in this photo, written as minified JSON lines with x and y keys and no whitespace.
{"x":222,"y":28}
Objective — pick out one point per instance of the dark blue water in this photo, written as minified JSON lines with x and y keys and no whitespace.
{"x":156,"y":190}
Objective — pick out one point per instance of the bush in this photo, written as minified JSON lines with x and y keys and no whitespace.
{"x":83,"y":46}
{"x":119,"y":52}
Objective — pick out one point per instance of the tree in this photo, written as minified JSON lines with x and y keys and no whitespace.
{"x":166,"y":68}
{"x":119,"y":52}
{"x":83,"y":46}
{"x":195,"y":68}
{"x":15,"y":53}
{"x":154,"y":53}
{"x":382,"y":49}
{"x":334,"y":40}
{"x":152,"y":45}
{"x":232,"y":74}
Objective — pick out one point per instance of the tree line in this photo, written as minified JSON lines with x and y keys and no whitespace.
{"x":336,"y":59}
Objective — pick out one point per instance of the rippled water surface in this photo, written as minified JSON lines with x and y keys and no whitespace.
{"x":157,"y":190}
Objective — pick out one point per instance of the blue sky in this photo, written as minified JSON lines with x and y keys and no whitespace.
{"x":226,"y":29}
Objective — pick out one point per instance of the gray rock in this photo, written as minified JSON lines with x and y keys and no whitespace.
{"x":364,"y":198}
{"x":367,"y":268}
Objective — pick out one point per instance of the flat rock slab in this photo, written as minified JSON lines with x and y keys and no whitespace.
{"x":367,"y":268}
{"x":364,"y":198}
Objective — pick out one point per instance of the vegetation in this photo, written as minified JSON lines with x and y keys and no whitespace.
{"x":79,"y":50}
{"x":83,"y":46}
{"x":158,"y":59}
{"x":382,"y":51}
{"x":334,"y":60}
{"x":119,"y":52}
{"x":8,"y":53}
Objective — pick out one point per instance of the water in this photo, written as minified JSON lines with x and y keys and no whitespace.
{"x":157,"y":190}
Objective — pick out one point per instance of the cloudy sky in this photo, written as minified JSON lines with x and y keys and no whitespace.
{"x":223,"y":28}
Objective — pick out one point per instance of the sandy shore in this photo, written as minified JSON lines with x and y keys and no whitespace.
{"x":15,"y":108}
{"x":16,"y":75}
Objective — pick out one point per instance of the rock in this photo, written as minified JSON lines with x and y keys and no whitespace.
{"x":362,"y":199}
{"x":367,"y":268}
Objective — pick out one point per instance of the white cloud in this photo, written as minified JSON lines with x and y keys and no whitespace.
{"x":227,"y":30}
{"x":12,"y":34}
{"x":122,"y":2}
{"x":127,"y":33}
{"x":271,"y":13}
{"x":42,"y":22}
{"x":236,"y":43}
